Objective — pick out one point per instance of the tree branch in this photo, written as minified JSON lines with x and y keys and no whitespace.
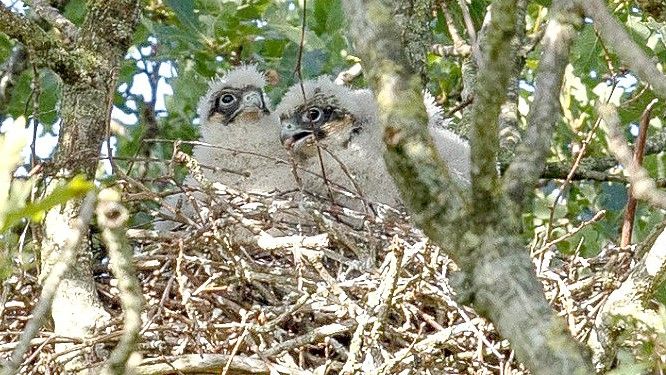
{"x":50,"y":285}
{"x":643,"y":187}
{"x":639,"y":153}
{"x":494,"y":71}
{"x":498,"y":274}
{"x":71,"y":65}
{"x":615,"y":37}
{"x":112,"y":216}
{"x":529,"y":162}
{"x":43,"y":9}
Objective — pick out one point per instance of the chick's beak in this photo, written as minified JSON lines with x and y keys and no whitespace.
{"x":291,"y":134}
{"x":252,"y":101}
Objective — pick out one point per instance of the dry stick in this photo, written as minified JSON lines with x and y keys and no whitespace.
{"x":575,"y":165}
{"x":51,"y":284}
{"x":642,"y":186}
{"x":299,"y":72}
{"x":112,"y":216}
{"x":598,"y":216}
{"x":639,"y":152}
{"x":343,"y":167}
{"x":203,"y":363}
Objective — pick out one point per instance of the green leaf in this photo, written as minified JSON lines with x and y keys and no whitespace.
{"x":184,"y":12}
{"x":76,"y":187}
{"x":75,"y":11}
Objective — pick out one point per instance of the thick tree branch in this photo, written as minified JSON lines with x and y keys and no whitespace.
{"x":71,"y":65}
{"x":627,"y":311}
{"x":498,"y":274}
{"x":86,"y":103}
{"x":494,"y":71}
{"x":50,"y":285}
{"x":53,"y":16}
{"x":615,"y":37}
{"x":9,"y":72}
{"x":529,"y":162}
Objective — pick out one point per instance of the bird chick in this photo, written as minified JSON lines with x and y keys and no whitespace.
{"x":243,"y":150}
{"x":237,"y":122}
{"x":344,"y":123}
{"x":453,"y":149}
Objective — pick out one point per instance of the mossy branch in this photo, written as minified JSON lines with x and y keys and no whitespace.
{"x":72,"y":65}
{"x":498,"y":275}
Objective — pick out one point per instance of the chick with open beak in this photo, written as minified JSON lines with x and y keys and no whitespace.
{"x":343,"y":122}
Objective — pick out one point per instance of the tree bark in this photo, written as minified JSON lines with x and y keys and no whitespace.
{"x":88,"y":69}
{"x":475,"y":227}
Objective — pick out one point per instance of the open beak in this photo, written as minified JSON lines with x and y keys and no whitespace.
{"x":292,"y":136}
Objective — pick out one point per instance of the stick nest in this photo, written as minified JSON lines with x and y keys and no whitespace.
{"x":278,"y":284}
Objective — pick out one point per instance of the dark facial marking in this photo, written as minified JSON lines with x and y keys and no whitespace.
{"x":228,"y":103}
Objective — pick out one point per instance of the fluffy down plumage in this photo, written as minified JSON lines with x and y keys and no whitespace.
{"x":345,"y":122}
{"x":243,"y":137}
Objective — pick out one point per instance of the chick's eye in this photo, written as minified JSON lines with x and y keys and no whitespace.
{"x":312,"y":115}
{"x":227,"y":98}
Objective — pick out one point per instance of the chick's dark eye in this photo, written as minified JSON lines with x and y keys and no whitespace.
{"x":312,"y":115}
{"x":227,"y":98}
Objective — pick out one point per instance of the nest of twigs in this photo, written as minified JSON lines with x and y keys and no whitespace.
{"x":282,"y":284}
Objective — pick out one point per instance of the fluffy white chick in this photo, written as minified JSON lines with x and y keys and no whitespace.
{"x":237,"y":122}
{"x":243,"y":137}
{"x":344,"y":122}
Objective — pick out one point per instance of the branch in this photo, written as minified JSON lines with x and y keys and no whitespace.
{"x":446,"y":51}
{"x":112,"y":216}
{"x":628,"y":307}
{"x":498,"y":274}
{"x":51,"y":283}
{"x":639,"y":153}
{"x":615,"y":37}
{"x":494,"y":72}
{"x":16,"y":63}
{"x":642,"y":186}
{"x":43,"y":9}
{"x":528,"y":165}
{"x":198,"y":363}
{"x":71,"y":66}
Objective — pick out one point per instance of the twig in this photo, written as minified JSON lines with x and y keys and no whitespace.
{"x":615,"y":37}
{"x":51,"y":284}
{"x":112,"y":216}
{"x":598,"y":216}
{"x":575,"y":165}
{"x":639,"y":152}
{"x":203,"y":363}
